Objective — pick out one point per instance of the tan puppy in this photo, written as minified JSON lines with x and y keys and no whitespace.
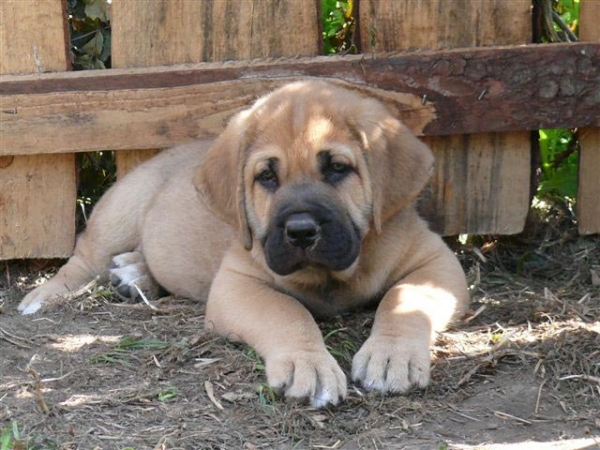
{"x":318,"y":184}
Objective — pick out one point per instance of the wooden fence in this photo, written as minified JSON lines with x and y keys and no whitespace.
{"x":439,"y":64}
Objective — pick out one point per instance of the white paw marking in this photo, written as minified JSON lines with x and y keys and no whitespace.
{"x":126,"y":275}
{"x":30,"y":308}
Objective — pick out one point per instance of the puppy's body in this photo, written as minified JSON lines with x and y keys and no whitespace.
{"x":194,"y":238}
{"x":153,"y":210}
{"x":303,"y":205}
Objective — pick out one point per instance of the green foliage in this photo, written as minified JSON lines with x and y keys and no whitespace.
{"x":259,"y":365}
{"x":559,"y":149}
{"x":10,"y":436}
{"x":266,"y":395}
{"x":122,"y":353}
{"x":338,"y":26}
{"x":168,"y":394}
{"x":341,"y":347}
{"x":89,"y":21}
{"x":134,"y":343}
{"x":97,"y":174}
{"x":569,"y":13}
{"x":559,"y":164}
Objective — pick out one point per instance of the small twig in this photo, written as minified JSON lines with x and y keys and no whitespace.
{"x":162,"y":310}
{"x":563,"y":26}
{"x":89,"y":33}
{"x":547,"y":27}
{"x":38,"y":391}
{"x":86,"y":288}
{"x":7,"y":274}
{"x":49,"y":380}
{"x":85,"y":219}
{"x":539,"y":396}
{"x":496,"y":349}
{"x":211,"y":395}
{"x":479,"y":254}
{"x":7,"y":337}
{"x":202,"y":362}
{"x":464,"y":415}
{"x":467,"y":376}
{"x":503,"y":415}
{"x":475,"y":314}
{"x":581,"y":377}
{"x":549,"y":295}
{"x":144,"y":297}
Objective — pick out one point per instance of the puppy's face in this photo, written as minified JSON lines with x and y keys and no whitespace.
{"x":307,"y":192}
{"x":308,"y":171}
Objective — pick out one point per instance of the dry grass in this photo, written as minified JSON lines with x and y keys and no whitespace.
{"x":525,"y":364}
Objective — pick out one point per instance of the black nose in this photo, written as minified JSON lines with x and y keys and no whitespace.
{"x":301,"y":230}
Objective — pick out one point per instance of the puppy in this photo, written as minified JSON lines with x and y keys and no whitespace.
{"x":303,"y":206}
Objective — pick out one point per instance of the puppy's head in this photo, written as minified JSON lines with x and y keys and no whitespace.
{"x":308,"y":170}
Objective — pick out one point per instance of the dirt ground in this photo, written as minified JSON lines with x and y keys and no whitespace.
{"x":522,"y":370}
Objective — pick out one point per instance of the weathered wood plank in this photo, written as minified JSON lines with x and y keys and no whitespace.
{"x":477,"y":183}
{"x":164,"y":32}
{"x":469,"y":192}
{"x":465,"y":91}
{"x":37,"y":193}
{"x":437,"y":24}
{"x":153,"y":33}
{"x":194,"y":31}
{"x":32,"y":37}
{"x":588,"y":202}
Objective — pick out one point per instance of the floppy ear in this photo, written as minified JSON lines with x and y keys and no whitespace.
{"x":399,"y":163}
{"x":219,"y":179}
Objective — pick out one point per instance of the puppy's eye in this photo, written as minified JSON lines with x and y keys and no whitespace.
{"x":268,"y":179}
{"x":336,"y":172}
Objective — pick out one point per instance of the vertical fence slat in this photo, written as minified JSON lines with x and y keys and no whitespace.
{"x":162,"y":32}
{"x":37,"y":193}
{"x":481,"y":183}
{"x":588,"y":203}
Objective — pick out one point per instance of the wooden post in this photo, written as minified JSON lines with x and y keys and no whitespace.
{"x":163,"y":32}
{"x":38,"y":192}
{"x":481,"y":182}
{"x":588,"y":203}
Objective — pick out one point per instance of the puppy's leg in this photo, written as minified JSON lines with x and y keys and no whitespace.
{"x":85,"y":264}
{"x":130,"y":275}
{"x":245,"y":308}
{"x":112,"y":229}
{"x":396,"y":355}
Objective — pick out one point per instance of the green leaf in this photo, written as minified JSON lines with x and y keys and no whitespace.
{"x":106,"y":48}
{"x":168,"y":394}
{"x":97,"y":9}
{"x":95,"y":45}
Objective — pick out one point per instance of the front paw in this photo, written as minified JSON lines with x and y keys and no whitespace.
{"x":392,"y":364}
{"x":313,"y":375}
{"x":41,"y":296}
{"x":33,"y":301}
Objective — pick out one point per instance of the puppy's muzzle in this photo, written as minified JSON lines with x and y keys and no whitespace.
{"x":310,"y":228}
{"x":302,"y":230}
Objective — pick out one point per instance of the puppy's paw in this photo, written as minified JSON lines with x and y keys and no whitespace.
{"x":313,"y":375}
{"x":33,"y":301}
{"x":392,"y":364}
{"x":129,"y":274}
{"x":53,"y":289}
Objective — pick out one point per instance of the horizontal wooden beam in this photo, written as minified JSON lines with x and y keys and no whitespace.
{"x":490,"y":89}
